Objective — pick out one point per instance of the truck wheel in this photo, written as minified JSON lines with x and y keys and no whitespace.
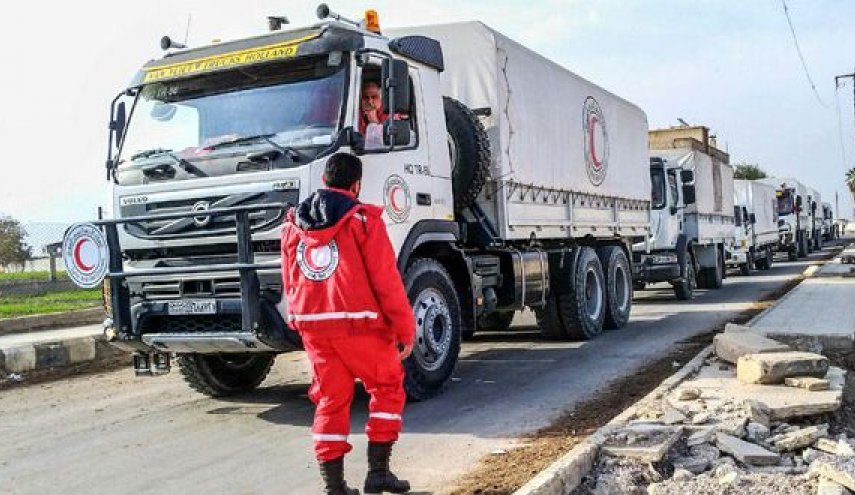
{"x":770,"y":257}
{"x":712,"y":277}
{"x":684,"y":289}
{"x":550,"y":324}
{"x":220,"y":375}
{"x":578,"y":314}
{"x":438,"y":328}
{"x":745,"y":268}
{"x":469,"y":147}
{"x":618,"y":277}
{"x":802,"y":251}
{"x":497,"y":321}
{"x":792,"y":254}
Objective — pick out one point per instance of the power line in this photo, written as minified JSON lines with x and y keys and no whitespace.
{"x":801,"y":56}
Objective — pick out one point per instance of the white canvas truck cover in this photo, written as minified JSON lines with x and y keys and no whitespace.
{"x":801,"y":190}
{"x":759,"y":198}
{"x":713,"y":209}
{"x":550,"y":130}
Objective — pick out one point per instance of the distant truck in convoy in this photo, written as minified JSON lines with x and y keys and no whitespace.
{"x":828,"y":230}
{"x":508,"y":183}
{"x":691,"y":212}
{"x":756,"y":214}
{"x":795,"y":222}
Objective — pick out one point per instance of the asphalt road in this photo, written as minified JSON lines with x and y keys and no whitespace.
{"x":115,"y":433}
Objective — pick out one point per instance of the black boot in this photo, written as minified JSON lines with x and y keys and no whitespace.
{"x":333,"y":474}
{"x":379,"y":478}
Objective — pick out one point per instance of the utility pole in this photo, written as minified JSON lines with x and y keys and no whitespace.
{"x":846,"y":76}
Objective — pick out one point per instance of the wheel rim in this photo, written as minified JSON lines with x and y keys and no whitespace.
{"x":593,"y":294}
{"x":621,"y":288}
{"x":433,"y":329}
{"x":452,"y":152}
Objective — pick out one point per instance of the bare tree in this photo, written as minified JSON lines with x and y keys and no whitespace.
{"x":13,"y":249}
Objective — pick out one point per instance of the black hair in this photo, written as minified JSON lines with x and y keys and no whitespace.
{"x":342,"y":171}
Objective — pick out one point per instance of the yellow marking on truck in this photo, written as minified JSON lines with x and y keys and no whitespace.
{"x":276,"y":51}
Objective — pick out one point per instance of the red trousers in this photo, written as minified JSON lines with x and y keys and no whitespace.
{"x":336,"y":364}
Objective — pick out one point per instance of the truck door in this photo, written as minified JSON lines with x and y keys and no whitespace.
{"x":397,"y":179}
{"x":675,"y":208}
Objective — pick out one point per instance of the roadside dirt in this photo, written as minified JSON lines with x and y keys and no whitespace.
{"x":504,"y":473}
{"x":120,"y":360}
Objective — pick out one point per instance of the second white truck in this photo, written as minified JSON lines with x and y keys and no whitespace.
{"x":691,"y":212}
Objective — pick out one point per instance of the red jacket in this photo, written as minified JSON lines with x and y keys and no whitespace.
{"x":339,"y":270}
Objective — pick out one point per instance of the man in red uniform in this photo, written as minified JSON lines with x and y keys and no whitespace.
{"x":346,"y":298}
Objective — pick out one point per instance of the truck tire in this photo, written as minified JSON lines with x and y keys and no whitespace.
{"x":469,"y":147}
{"x":221,"y":375}
{"x":618,"y":276}
{"x":792,"y":254}
{"x":684,"y":289}
{"x":438,"y":328}
{"x":802,"y":247}
{"x":497,"y":321}
{"x":745,"y":268}
{"x":712,"y":277}
{"x":550,"y":324}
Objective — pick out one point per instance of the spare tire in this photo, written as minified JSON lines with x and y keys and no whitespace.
{"x":469,"y":149}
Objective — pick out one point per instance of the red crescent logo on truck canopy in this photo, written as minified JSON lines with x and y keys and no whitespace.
{"x":596,"y":139}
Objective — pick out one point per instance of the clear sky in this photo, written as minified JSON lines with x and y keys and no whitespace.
{"x":730,"y":65}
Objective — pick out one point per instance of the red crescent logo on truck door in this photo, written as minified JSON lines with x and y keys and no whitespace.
{"x":596,"y":139}
{"x":396,"y":198}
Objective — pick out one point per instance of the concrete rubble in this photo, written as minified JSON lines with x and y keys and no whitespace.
{"x":763,"y":430}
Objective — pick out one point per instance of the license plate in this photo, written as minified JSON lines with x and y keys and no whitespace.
{"x":193,"y":307}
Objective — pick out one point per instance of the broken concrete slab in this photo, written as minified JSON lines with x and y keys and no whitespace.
{"x":700,"y":458}
{"x":810,"y":383}
{"x":778,"y":402}
{"x":774,"y":367}
{"x":730,"y":346}
{"x":800,"y":438}
{"x":672,"y":417}
{"x":653,"y":448}
{"x":701,"y":436}
{"x":735,"y":328}
{"x":836,"y":447}
{"x":746,"y":452}
{"x":757,"y":432}
{"x":829,"y":487}
{"x":838,"y":469}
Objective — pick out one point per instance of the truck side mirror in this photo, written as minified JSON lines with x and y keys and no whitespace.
{"x":813,"y":206}
{"x":396,"y":132}
{"x":117,"y":125}
{"x":687,"y":177}
{"x":752,"y":218}
{"x":688,"y":193}
{"x":395,"y":75}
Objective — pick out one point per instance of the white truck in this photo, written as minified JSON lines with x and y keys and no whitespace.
{"x":828,"y":231}
{"x":508,"y":183}
{"x":794,"y":220}
{"x":816,"y":220}
{"x":691,"y":212}
{"x":756,"y":213}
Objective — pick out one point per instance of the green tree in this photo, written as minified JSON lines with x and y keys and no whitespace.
{"x":850,"y":179}
{"x":749,"y":171}
{"x":13,"y":249}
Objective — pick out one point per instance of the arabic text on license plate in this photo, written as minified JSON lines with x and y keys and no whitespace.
{"x":203,"y":307}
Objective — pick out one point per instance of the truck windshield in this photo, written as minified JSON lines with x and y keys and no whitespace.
{"x":657,"y":182}
{"x":295,"y":104}
{"x":785,"y":203}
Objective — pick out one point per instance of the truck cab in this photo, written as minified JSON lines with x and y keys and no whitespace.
{"x":792,"y":239}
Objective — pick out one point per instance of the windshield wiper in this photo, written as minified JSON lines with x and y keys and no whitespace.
{"x":183,"y":163}
{"x":288,"y":151}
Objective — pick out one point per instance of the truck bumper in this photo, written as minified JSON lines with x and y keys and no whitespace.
{"x":657,"y":268}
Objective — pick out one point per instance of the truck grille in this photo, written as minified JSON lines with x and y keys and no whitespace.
{"x":204,"y":225}
{"x":177,"y":289}
{"x":191,"y":324}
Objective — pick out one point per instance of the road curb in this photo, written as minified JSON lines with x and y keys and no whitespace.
{"x":55,"y":354}
{"x":565,"y":474}
{"x":34,"y":323}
